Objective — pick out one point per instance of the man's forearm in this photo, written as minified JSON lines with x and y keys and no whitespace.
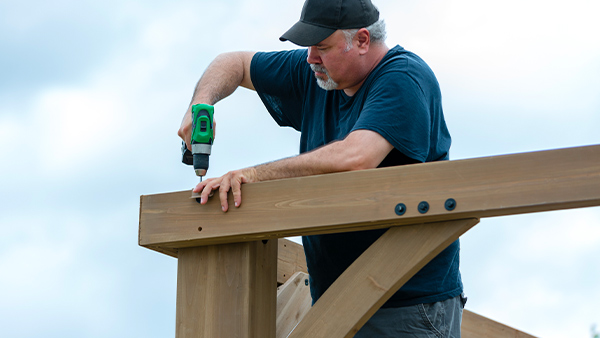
{"x":345,"y":155}
{"x":296,"y":166}
{"x":222,"y":77}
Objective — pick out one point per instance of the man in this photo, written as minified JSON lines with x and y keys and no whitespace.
{"x":358,"y":104}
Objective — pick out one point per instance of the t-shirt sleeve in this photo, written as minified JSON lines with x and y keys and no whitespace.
{"x":280,"y":81}
{"x":397,"y":109}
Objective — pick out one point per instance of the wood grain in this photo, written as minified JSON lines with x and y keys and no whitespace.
{"x":375,"y":276}
{"x":482,"y":187}
{"x":293,"y":302}
{"x":227,"y":291}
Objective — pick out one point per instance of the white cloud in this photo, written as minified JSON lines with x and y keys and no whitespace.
{"x":69,"y":127}
{"x":561,"y":237}
{"x":533,"y":56}
{"x":10,"y":130}
{"x":525,"y":271}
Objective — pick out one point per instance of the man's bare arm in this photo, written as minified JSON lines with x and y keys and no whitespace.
{"x":222,"y":77}
{"x":361,"y":149}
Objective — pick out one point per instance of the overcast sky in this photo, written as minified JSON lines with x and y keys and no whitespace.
{"x":92,"y":94}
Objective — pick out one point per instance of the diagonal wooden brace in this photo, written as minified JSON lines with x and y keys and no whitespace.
{"x":375,"y":276}
{"x":293,"y":302}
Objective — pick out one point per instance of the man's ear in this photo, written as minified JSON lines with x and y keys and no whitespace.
{"x":364,"y":40}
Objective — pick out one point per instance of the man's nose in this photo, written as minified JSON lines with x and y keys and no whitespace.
{"x":313,"y":57}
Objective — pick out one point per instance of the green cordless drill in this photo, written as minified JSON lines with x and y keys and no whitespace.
{"x":202,"y":139}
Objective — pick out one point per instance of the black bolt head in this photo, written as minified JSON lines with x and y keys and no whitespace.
{"x":423,"y":207}
{"x":450,"y":204}
{"x":400,"y":209}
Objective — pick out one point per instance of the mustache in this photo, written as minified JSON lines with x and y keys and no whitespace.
{"x":318,"y":68}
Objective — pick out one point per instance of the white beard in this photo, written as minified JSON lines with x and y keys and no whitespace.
{"x":328,"y":84}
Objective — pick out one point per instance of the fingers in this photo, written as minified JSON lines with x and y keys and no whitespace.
{"x":206,"y":189}
{"x":186,"y":137}
{"x":236,"y":189}
{"x":185,"y":130}
{"x":230,"y":181}
{"x":225,"y":184}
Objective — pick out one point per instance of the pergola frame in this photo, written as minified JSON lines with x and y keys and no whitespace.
{"x":227,"y":261}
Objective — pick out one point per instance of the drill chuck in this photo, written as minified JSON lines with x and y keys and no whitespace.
{"x":200,"y":164}
{"x":200,"y":153}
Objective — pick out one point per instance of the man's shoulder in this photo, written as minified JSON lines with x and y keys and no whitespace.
{"x":403,"y":68}
{"x":279,"y":56}
{"x":400,"y":59}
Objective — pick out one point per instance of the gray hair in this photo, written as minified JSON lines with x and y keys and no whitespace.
{"x":376,"y":30}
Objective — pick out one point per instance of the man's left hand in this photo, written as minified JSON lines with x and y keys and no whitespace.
{"x":233,"y":181}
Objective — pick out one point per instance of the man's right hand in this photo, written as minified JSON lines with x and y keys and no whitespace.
{"x":185,"y":130}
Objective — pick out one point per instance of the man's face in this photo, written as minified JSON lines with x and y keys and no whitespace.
{"x":331,"y":61}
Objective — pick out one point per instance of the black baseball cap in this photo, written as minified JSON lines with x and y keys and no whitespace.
{"x":321,"y":18}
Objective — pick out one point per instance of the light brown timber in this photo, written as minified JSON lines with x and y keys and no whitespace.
{"x":375,"y":276}
{"x":359,"y":200}
{"x":290,"y":259}
{"x":227,"y":290}
{"x":476,"y":326}
{"x":293,"y":302}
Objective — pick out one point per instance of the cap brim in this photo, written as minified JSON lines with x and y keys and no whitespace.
{"x":305,"y":35}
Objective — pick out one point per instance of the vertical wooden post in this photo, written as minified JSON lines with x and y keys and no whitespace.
{"x":227,"y":290}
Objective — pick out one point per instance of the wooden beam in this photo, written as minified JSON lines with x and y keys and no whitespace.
{"x":290,"y":259}
{"x":375,"y":276}
{"x":359,"y":200}
{"x":477,"y":326}
{"x":227,"y":290}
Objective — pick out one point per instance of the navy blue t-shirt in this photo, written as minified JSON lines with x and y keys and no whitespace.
{"x":400,"y":100}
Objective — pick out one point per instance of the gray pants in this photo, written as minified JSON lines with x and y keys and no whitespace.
{"x":435,"y":320}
